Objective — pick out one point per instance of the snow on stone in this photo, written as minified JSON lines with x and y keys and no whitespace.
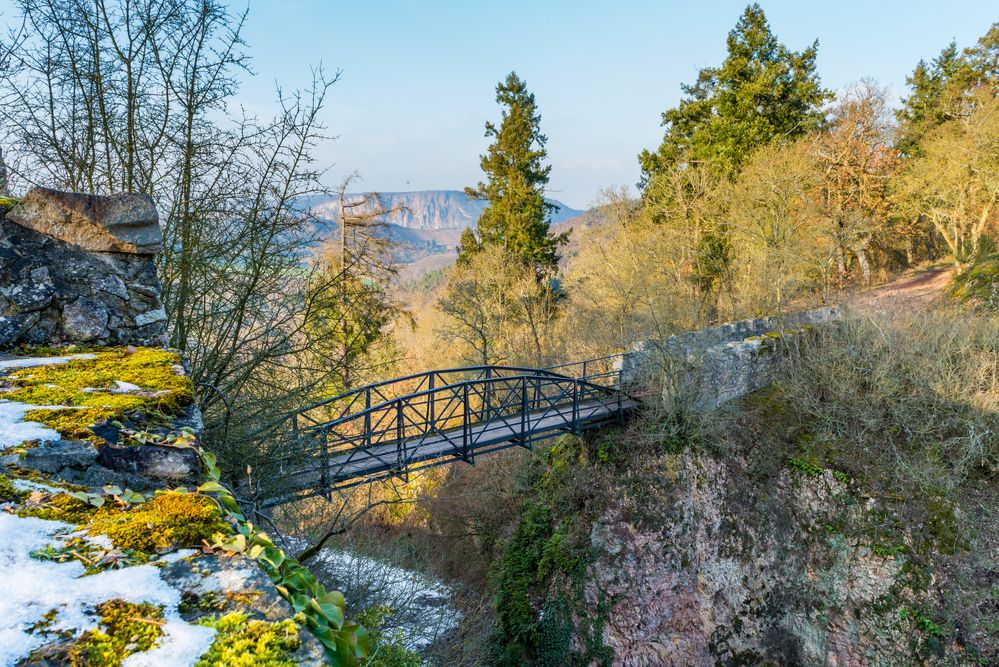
{"x":40,"y":586}
{"x":14,"y":430}
{"x":29,"y":362}
{"x":174,"y":556}
{"x":125,"y":387}
{"x":28,"y":485}
{"x":181,"y":644}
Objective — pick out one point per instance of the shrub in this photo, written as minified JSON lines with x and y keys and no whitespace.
{"x":910,"y":398}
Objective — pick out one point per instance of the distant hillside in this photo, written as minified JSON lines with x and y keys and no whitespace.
{"x":433,"y":209}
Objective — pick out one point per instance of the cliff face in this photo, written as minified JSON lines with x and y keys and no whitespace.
{"x":433,"y":209}
{"x":769,"y":528}
{"x":707,"y":567}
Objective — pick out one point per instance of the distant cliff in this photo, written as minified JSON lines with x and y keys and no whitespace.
{"x":433,"y":209}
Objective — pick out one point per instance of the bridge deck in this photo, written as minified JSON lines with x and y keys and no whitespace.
{"x":362,"y":464}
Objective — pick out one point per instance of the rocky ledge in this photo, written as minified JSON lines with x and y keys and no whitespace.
{"x":80,"y":268}
{"x":107,"y":560}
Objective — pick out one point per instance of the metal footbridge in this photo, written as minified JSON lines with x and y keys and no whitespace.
{"x":395,"y":427}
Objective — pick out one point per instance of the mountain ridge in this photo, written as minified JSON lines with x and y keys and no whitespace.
{"x":431,"y":209}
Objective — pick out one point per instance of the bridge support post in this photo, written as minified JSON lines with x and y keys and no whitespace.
{"x":400,"y":431}
{"x":431,"y":405}
{"x":487,"y":399}
{"x":575,"y":407}
{"x":324,"y":481}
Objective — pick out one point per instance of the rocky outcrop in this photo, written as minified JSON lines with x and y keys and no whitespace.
{"x":123,"y":222}
{"x":79,"y":269}
{"x":429,"y":209}
{"x":706,"y":567}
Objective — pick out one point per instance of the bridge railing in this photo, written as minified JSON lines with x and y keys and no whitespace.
{"x":604,"y":370}
{"x":459,"y":419}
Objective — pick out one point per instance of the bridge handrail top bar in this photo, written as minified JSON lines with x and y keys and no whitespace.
{"x":413,"y":376}
{"x":534,"y":375}
{"x":570,"y":364}
{"x":405,"y":378}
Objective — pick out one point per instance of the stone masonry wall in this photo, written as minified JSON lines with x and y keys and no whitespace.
{"x":711,"y":366}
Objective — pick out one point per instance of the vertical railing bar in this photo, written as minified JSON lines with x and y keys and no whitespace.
{"x":465,"y":428}
{"x":431,"y":399}
{"x":523,"y":412}
{"x":399,"y":430}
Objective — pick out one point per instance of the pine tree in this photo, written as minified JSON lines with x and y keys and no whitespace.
{"x":518,"y":217}
{"x":762,"y":92}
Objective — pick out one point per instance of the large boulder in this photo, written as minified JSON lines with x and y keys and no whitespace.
{"x":124,"y":222}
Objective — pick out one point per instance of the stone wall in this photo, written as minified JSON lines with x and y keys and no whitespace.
{"x":708,"y":367}
{"x":78,"y":268}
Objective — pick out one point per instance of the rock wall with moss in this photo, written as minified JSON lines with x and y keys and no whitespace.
{"x":119,"y":545}
{"x":114,"y":534}
{"x":844,"y":515}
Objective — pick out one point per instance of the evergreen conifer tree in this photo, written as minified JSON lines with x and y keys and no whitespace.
{"x":518,"y":217}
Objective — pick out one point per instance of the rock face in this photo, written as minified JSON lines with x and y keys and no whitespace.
{"x":704,"y":569}
{"x":55,"y":287}
{"x":123,"y":222}
{"x":431,"y":209}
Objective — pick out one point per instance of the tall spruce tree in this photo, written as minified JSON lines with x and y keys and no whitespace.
{"x":518,"y":217}
{"x":763,"y":91}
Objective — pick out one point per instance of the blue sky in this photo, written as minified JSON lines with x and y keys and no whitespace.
{"x":418,"y":77}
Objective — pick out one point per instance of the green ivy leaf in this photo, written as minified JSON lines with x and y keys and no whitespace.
{"x":211,"y":487}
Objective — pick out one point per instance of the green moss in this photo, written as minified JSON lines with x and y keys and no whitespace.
{"x":8,"y":202}
{"x":195,"y":604}
{"x":979,"y":285}
{"x":125,"y":628}
{"x":85,"y":384}
{"x":540,"y":575}
{"x":167,"y":521}
{"x":7,"y":491}
{"x":59,"y":507}
{"x":94,"y":557}
{"x":241,"y":642}
{"x":807,"y":468}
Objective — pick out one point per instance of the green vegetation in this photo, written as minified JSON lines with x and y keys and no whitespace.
{"x":242,"y":642}
{"x":323,"y":612}
{"x":517,"y":217}
{"x":387,"y":646}
{"x":761,"y":93}
{"x":540,"y":573}
{"x":979,"y":285}
{"x":7,"y":491}
{"x":169,"y":520}
{"x":84,"y":385}
{"x":125,"y":629}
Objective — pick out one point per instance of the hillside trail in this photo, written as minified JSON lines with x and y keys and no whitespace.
{"x":912,"y":291}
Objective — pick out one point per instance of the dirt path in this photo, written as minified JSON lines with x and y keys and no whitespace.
{"x":915,"y":289}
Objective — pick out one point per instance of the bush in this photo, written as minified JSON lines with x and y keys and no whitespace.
{"x":979,"y":285}
{"x":908,"y":399}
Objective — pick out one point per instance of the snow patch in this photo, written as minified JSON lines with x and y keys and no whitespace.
{"x":40,"y":586}
{"x":29,"y":362}
{"x":14,"y":430}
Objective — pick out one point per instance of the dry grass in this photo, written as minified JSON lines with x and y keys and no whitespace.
{"x":909,"y":398}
